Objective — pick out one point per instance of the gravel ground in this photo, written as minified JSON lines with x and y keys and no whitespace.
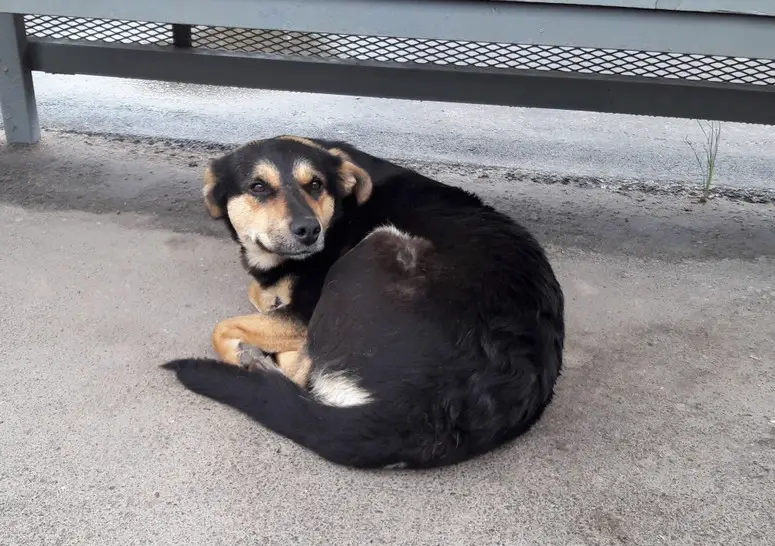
{"x":651,"y":151}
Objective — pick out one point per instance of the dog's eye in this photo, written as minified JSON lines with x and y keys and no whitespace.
{"x":316,"y":184}
{"x":258,"y":186}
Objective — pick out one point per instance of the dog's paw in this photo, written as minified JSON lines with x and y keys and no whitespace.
{"x":253,"y":358}
{"x":267,"y":300}
{"x":278,"y":303}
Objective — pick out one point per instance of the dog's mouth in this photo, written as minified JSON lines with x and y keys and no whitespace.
{"x":297,"y":255}
{"x":289,"y":253}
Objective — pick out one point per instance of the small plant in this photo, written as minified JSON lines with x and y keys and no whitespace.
{"x":711,"y":130}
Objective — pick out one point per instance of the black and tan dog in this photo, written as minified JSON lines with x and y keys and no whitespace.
{"x":415,"y":325}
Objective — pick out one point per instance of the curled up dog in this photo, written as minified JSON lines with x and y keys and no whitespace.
{"x":412,"y":324}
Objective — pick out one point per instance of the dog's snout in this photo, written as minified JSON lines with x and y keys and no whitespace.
{"x":306,"y":230}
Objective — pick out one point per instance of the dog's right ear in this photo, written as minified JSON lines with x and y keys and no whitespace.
{"x":353,"y":179}
{"x":212,"y":190}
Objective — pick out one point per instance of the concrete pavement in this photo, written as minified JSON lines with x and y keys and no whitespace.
{"x":662,"y":432}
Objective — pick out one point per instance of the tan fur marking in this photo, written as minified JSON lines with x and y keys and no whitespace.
{"x":323,"y":206}
{"x":340,"y":153}
{"x":267,"y":172}
{"x":272,"y":333}
{"x":301,"y":140}
{"x":265,"y":299}
{"x":251,"y":219}
{"x":304,"y":171}
{"x":353,"y":179}
{"x":209,"y":184}
{"x":297,"y":365}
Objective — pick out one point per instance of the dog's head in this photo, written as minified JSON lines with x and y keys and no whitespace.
{"x":281,"y":195}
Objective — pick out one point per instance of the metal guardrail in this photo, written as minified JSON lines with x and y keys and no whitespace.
{"x":594,"y":56}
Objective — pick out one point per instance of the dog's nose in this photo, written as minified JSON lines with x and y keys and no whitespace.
{"x":306,"y":230}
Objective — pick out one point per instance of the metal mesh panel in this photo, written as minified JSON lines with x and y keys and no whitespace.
{"x":98,"y":30}
{"x":421,"y":51}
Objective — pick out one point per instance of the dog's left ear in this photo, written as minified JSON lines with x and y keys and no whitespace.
{"x":352,"y":178}
{"x":212,"y":188}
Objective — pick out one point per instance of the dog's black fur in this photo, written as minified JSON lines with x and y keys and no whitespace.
{"x":455,"y":333}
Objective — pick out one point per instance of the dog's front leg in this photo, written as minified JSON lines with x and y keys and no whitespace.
{"x":273,"y":333}
{"x":269,"y":299}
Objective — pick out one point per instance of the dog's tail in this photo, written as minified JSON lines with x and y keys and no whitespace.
{"x":339,"y":434}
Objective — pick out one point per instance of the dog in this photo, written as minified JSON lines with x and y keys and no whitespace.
{"x":425,"y":329}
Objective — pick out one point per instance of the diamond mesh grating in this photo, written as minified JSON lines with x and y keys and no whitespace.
{"x":98,"y":30}
{"x":418,"y":51}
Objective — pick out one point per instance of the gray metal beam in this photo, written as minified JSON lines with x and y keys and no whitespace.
{"x":559,"y":24}
{"x":616,"y":94}
{"x":17,"y":94}
{"x":747,"y":7}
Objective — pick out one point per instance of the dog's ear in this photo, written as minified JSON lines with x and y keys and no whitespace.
{"x":213,"y":187}
{"x":352,"y":178}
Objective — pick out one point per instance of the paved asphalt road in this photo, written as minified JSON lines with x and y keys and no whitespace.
{"x":662,"y":431}
{"x":568,"y":143}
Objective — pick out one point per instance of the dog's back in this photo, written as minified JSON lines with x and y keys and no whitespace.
{"x":451,"y":326}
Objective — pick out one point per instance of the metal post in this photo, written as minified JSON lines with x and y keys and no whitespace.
{"x":17,"y":95}
{"x":181,"y":35}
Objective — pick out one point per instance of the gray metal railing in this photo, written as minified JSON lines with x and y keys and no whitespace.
{"x":713,"y":59}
